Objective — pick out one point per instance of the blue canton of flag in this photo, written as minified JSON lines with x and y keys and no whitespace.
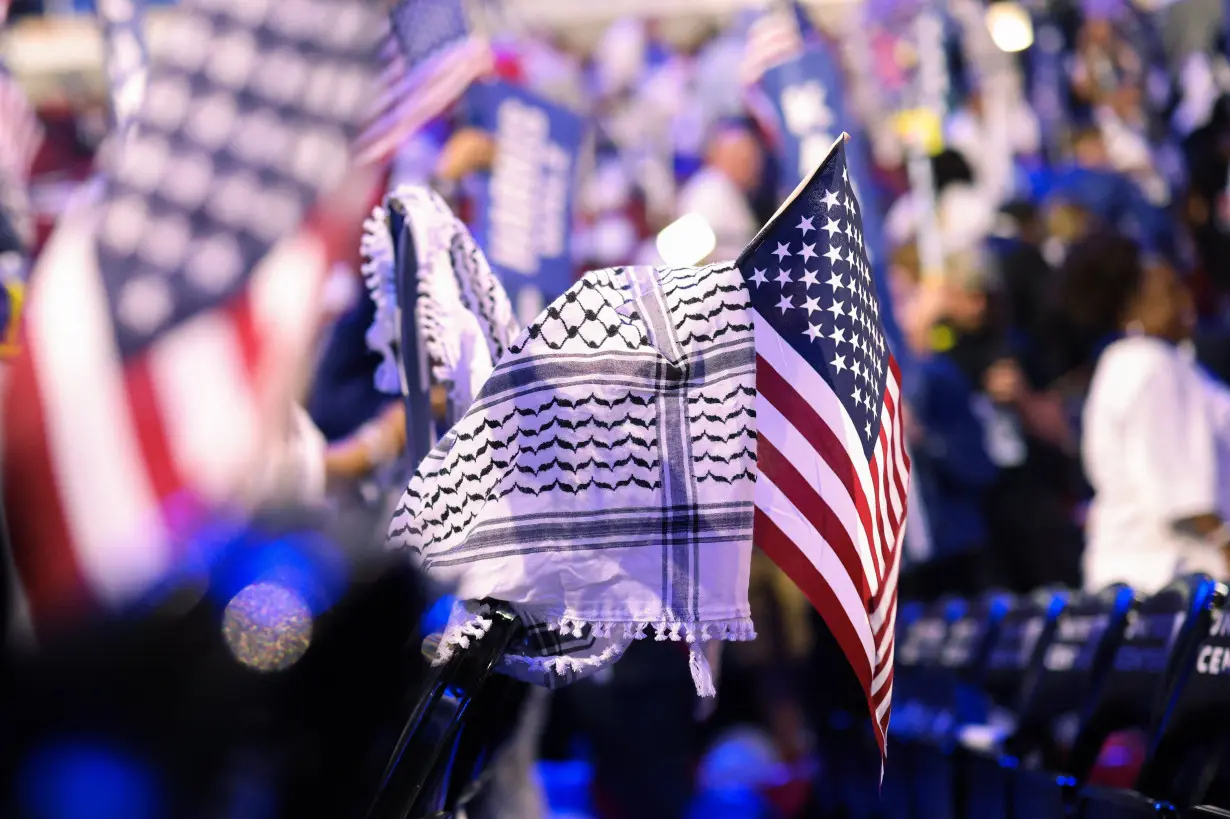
{"x":248,"y":117}
{"x":812,"y":281}
{"x":427,"y":27}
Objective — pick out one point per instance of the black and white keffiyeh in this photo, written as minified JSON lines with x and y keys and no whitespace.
{"x":602,"y":480}
{"x":462,"y":313}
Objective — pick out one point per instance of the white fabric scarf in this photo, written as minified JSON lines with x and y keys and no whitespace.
{"x":602,"y":481}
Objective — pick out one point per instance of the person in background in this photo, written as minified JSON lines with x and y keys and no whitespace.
{"x":721,"y":189}
{"x":1207,"y":152}
{"x":1156,"y":428}
{"x":1106,"y":70}
{"x":952,"y":468}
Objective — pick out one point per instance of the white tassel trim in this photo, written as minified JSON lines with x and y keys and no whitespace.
{"x":461,"y":635}
{"x":622,"y":633}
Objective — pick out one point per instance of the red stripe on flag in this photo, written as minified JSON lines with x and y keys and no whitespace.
{"x":145,"y":408}
{"x":783,"y":551}
{"x":51,"y":577}
{"x":778,"y":469}
{"x":778,"y":392}
{"x":239,"y":312}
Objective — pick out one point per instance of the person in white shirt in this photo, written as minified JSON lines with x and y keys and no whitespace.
{"x":719,"y":191}
{"x":1156,"y":445}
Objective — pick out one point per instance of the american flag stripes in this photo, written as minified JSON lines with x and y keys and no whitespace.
{"x":166,"y":324}
{"x":432,"y":58}
{"x":833,"y":472}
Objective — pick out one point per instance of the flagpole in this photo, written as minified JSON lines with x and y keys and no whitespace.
{"x":932,"y":86}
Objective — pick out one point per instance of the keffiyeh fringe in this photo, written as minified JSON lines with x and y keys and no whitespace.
{"x":463,"y":315}
{"x":376,"y":248}
{"x":611,"y":639}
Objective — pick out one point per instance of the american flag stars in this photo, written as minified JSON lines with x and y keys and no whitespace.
{"x":821,"y":289}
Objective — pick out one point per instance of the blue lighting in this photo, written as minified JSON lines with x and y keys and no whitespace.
{"x":86,"y":780}
{"x":307,"y":563}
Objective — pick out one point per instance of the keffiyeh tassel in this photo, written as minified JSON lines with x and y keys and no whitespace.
{"x":376,"y":247}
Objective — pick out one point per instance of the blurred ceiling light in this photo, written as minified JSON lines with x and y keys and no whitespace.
{"x":1010,"y":26}
{"x":686,"y":241}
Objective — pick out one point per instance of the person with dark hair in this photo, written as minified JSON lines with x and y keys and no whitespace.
{"x":1156,"y":428}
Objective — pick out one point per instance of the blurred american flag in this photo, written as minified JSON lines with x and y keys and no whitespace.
{"x":168,"y":321}
{"x":774,"y":38}
{"x":432,"y":58}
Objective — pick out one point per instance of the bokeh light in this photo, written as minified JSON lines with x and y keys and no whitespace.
{"x":267,"y":627}
{"x":686,"y":241}
{"x":1010,"y":26}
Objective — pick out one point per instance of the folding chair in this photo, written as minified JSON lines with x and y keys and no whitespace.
{"x":1024,"y":638}
{"x":449,"y":731}
{"x":921,"y":691}
{"x":1054,"y":691}
{"x":938,"y":787}
{"x":1158,"y":637}
{"x":1186,"y":760}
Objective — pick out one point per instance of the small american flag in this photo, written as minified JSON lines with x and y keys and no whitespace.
{"x":167,"y":321}
{"x":831,"y":492}
{"x":774,"y":38}
{"x":432,"y":58}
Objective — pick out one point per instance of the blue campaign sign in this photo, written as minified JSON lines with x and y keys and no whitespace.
{"x":523,"y":208}
{"x":809,"y":100}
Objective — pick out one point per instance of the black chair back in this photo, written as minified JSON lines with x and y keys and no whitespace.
{"x":1188,"y":748}
{"x":1024,"y":635}
{"x":922,"y":632}
{"x":1084,"y":642}
{"x":1159,"y":633}
{"x":967,"y":647}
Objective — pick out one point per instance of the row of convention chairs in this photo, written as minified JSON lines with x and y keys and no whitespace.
{"x":1061,"y":704}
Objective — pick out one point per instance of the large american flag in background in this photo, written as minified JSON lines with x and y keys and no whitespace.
{"x":432,"y":58}
{"x":167,"y":321}
{"x":833,"y":471}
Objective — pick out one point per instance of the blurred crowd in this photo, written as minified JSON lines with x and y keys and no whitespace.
{"x":1064,"y":363}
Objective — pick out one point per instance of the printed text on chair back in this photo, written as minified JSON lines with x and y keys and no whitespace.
{"x":1024,"y":635}
{"x":1190,"y":737}
{"x":1132,"y":689}
{"x":1086,"y":637}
